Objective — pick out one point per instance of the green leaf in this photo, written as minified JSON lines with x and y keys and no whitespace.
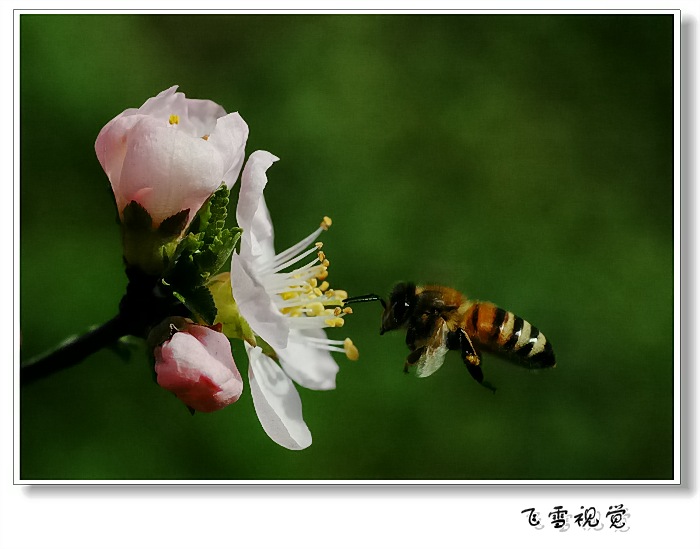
{"x":200,"y":302}
{"x":212,"y":211}
{"x":218,"y":251}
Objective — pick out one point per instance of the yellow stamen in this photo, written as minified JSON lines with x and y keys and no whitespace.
{"x":205,"y":137}
{"x":323,"y":275}
{"x":313,"y":282}
{"x":174,"y":119}
{"x":321,"y":256}
{"x":317,"y":292}
{"x":350,"y":350}
{"x":315,"y":309}
{"x":335,"y":322}
{"x":327,"y":222}
{"x":319,"y":245}
{"x":326,"y":263}
{"x":324,"y":286}
{"x":337,"y":311}
{"x":342,"y":294}
{"x":347,"y":310}
{"x":289,"y":295}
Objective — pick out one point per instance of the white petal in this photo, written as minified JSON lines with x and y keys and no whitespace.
{"x":252,"y":213}
{"x":277,"y":402}
{"x":309,"y":366}
{"x":256,"y":305}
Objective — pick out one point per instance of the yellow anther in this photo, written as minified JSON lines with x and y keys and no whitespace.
{"x":347,"y":310}
{"x":315,"y":309}
{"x":322,"y":275}
{"x":174,"y":119}
{"x":350,"y":350}
{"x":335,"y":322}
{"x":329,"y":293}
{"x":289,"y":295}
{"x":326,"y":263}
{"x":337,"y":311}
{"x":327,"y":222}
{"x":321,"y":256}
{"x":205,"y":137}
{"x":313,"y":282}
{"x":318,"y":292}
{"x":324,"y":286}
{"x":341,"y":294}
{"x":319,"y":245}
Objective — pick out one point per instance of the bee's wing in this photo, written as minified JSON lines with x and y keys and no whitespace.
{"x":434,"y":354}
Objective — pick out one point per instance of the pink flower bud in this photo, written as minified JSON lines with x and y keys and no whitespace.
{"x":197,"y":365}
{"x":171,"y":154}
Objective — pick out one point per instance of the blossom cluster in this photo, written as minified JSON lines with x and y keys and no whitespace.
{"x":172,"y":164}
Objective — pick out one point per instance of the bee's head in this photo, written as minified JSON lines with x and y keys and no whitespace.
{"x":402,"y":301}
{"x":400,"y":307}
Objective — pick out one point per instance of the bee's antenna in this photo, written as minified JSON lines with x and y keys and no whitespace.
{"x":363,"y":298}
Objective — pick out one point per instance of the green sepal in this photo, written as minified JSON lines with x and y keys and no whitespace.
{"x":233,"y":325}
{"x":174,"y":225}
{"x":145,"y":247}
{"x":266,"y":349}
{"x":136,"y":218}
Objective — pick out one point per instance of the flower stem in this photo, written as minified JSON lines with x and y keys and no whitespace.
{"x":73,"y":350}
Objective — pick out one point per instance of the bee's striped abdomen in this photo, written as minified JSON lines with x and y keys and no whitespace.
{"x":500,"y":330}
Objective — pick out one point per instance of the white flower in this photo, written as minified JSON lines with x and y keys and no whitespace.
{"x":288,"y":305}
{"x":171,"y":153}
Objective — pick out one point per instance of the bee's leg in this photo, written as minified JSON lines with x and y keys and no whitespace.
{"x":472,"y":360}
{"x":415,"y":354}
{"x":412,"y":358}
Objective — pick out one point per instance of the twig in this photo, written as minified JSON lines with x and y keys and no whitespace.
{"x":73,"y":351}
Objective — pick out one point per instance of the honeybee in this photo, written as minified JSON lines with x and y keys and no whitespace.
{"x":439,"y":319}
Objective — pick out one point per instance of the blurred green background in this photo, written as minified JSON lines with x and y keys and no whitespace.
{"x":523,"y":159}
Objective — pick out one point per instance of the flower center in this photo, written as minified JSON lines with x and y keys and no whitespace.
{"x":173,"y":120}
{"x":303,"y":294}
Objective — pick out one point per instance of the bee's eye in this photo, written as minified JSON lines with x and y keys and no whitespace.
{"x":400,"y":309}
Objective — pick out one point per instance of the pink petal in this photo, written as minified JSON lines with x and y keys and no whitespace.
{"x":197,"y":365}
{"x":182,"y":171}
{"x":229,"y":137}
